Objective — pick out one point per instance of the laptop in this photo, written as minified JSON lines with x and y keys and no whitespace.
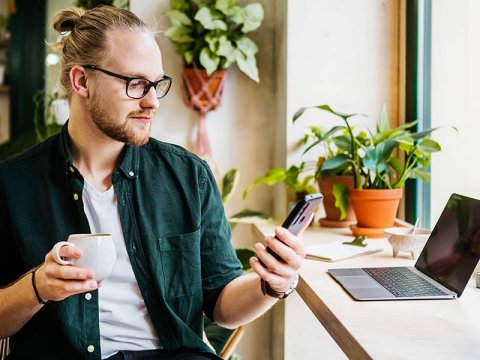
{"x":442,"y":270}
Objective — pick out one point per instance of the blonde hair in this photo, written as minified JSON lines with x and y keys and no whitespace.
{"x":84,"y":36}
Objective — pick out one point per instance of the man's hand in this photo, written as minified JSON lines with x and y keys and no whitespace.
{"x":57,"y":282}
{"x":279,"y":274}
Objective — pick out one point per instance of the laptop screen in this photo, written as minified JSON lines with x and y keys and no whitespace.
{"x":453,"y":249}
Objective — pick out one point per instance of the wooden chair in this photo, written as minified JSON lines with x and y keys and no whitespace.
{"x":232,"y":342}
{"x":225,"y":353}
{"x":4,"y":349}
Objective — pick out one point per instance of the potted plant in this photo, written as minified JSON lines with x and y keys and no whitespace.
{"x":210,"y":36}
{"x":379,"y":174}
{"x":333,"y":182}
{"x":297,"y":183}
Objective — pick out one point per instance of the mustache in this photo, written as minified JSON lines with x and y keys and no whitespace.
{"x":142,"y":113}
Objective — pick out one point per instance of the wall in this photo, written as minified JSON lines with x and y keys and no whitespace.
{"x":455,"y":94}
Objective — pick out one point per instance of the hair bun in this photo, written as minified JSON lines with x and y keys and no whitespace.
{"x":67,"y":20}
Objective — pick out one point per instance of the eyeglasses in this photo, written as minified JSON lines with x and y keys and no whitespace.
{"x":137,"y":88}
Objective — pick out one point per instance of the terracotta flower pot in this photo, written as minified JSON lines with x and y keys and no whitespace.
{"x":375,"y":208}
{"x":202,"y":92}
{"x":333,"y":214}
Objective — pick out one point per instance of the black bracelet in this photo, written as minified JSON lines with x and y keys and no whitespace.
{"x":34,"y":284}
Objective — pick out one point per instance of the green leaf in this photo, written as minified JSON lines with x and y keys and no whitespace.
{"x":420,"y":173}
{"x":181,"y":5}
{"x":335,"y":162}
{"x":209,"y":60}
{"x":429,"y":145}
{"x":178,"y":18}
{"x":208,"y":20}
{"x":179,"y":34}
{"x":228,"y":7}
{"x":248,"y":65}
{"x":383,"y":123}
{"x":225,"y":48}
{"x":249,"y":216}
{"x":358,"y":241}
{"x":244,"y":255}
{"x":229,"y":183}
{"x":340,"y":192}
{"x":246,"y":46}
{"x":253,"y":17}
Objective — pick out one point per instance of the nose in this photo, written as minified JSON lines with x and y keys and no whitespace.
{"x":150,"y":101}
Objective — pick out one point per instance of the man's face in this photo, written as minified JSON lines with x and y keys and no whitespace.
{"x":132,"y":54}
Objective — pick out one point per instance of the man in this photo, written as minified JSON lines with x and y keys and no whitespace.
{"x":104,"y":174}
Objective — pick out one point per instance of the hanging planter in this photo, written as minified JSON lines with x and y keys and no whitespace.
{"x":202,"y":92}
{"x":210,"y":37}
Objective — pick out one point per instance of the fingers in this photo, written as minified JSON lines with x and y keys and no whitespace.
{"x":293,"y":242}
{"x":57,"y":282}
{"x":276,"y":281}
{"x":279,"y":274}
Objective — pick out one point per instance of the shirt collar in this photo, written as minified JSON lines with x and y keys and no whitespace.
{"x":129,"y":165}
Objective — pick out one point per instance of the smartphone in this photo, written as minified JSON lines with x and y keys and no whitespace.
{"x":300,"y":217}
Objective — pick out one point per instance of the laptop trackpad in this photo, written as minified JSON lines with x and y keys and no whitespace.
{"x":358,"y":282}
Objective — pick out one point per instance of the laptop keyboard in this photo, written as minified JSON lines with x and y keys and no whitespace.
{"x":402,"y":282}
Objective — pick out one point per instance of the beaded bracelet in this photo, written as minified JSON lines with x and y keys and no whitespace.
{"x":34,"y":284}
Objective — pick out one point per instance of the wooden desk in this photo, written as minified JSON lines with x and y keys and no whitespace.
{"x":418,"y":329}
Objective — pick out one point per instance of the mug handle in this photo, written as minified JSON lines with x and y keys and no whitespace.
{"x":56,"y":253}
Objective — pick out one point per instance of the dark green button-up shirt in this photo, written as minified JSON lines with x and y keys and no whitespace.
{"x":175,"y":230}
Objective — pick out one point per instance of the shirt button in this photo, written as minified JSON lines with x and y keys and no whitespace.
{"x":72,"y":170}
{"x":88,"y":296}
{"x":134,"y":248}
{"x":75,"y":197}
{"x":131,"y":173}
{"x":90,"y":348}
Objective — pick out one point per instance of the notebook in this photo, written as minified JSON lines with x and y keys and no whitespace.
{"x":337,"y":251}
{"x":442,"y":270}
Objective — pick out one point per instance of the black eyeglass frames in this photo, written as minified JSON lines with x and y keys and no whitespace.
{"x":137,"y":88}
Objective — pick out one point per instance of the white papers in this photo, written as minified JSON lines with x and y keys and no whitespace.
{"x":338,"y":251}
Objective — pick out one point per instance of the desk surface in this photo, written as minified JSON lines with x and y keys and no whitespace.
{"x":433,"y":329}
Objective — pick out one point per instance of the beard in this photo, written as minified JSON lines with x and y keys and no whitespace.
{"x":122,"y":132}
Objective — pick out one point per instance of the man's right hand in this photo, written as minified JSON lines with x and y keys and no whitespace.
{"x":57,"y":282}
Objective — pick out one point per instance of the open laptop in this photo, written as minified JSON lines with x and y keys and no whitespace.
{"x":442,"y":270}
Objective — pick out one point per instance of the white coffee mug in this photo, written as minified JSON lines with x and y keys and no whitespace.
{"x":98,"y":253}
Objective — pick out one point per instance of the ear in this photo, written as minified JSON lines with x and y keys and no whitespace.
{"x":78,"y":79}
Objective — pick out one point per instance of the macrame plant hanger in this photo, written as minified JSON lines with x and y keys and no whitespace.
{"x":202,"y":93}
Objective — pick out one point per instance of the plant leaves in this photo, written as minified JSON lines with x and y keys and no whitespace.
{"x":248,"y":65}
{"x":209,"y":60}
{"x":383,"y":123}
{"x":244,"y":255}
{"x":249,"y":216}
{"x":335,"y":162}
{"x":253,"y":17}
{"x":179,"y":34}
{"x":229,"y":184}
{"x":228,"y":7}
{"x":357,"y":241}
{"x":340,"y":192}
{"x":178,"y":18}
{"x":429,"y":145}
{"x":208,"y":20}
{"x":246,"y":46}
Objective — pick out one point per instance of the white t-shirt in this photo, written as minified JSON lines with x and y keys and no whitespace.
{"x":124,"y":320}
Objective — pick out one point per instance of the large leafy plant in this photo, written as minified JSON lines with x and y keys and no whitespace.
{"x":293,"y":178}
{"x":211,"y":33}
{"x":376,"y":160}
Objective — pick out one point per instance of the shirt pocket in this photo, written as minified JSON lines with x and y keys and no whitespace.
{"x":181,"y":264}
